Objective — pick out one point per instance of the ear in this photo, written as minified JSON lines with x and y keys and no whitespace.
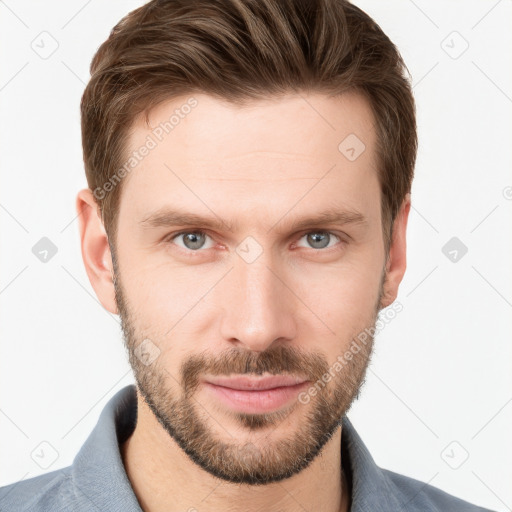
{"x":95,"y":249}
{"x":397,"y":261}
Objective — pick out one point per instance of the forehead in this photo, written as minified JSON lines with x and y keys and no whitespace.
{"x":267,"y":153}
{"x":203,"y":126}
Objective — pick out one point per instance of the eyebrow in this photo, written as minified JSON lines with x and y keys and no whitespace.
{"x":168,"y":217}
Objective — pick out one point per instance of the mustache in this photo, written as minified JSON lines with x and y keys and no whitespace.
{"x":277,"y":360}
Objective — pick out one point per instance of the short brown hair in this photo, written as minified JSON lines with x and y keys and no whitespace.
{"x":239,"y":50}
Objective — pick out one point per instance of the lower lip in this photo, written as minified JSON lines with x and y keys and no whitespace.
{"x":254,"y":402}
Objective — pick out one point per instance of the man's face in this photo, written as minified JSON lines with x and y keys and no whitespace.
{"x":255,"y":295}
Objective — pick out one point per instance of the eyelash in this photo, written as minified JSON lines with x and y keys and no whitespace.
{"x":172,"y":236}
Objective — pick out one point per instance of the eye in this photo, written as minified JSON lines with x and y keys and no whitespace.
{"x":192,"y":240}
{"x":195,"y":240}
{"x":320,"y":239}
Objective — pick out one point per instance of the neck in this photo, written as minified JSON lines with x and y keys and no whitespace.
{"x":164,"y":478}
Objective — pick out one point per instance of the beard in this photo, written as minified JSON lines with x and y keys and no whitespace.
{"x":266,"y":460}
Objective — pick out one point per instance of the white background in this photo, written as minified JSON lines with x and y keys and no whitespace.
{"x":442,"y":368}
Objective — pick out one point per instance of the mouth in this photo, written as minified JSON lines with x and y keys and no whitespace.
{"x":255,"y":395}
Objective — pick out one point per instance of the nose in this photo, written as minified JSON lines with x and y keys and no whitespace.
{"x":259,"y":308}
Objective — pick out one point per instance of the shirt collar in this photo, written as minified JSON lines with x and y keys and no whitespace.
{"x":98,"y":472}
{"x":371,"y":490}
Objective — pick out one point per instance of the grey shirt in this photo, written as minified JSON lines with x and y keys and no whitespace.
{"x":97,"y":480}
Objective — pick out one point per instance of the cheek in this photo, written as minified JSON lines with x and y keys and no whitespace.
{"x":148,"y":289}
{"x":169,"y":301}
{"x":344,"y":298}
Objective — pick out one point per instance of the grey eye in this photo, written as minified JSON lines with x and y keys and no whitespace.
{"x":319,"y":239}
{"x":192,"y":240}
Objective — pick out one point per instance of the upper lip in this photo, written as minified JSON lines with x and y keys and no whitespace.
{"x":256,"y":384}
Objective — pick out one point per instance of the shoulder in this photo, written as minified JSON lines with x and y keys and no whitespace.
{"x":47,"y":492}
{"x":418,"y":496}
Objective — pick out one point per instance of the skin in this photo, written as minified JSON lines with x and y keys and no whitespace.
{"x":207,"y":310}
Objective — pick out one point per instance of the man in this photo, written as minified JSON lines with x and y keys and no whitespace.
{"x":249,"y":168}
